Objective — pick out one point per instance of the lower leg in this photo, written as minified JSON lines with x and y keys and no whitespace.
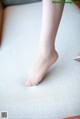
{"x":47,"y":54}
{"x":50,"y":22}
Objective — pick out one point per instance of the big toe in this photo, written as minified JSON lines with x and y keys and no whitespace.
{"x":31,"y":83}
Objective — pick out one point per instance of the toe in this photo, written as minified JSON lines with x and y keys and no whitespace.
{"x":33,"y":82}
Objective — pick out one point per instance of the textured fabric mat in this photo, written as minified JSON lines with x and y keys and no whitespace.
{"x":58,"y":96}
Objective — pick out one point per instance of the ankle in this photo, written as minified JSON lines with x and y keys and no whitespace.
{"x":47,"y":52}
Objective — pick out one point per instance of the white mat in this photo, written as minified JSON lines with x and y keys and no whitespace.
{"x":59,"y":94}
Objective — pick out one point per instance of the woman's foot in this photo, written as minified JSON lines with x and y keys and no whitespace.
{"x":45,"y":60}
{"x":77,"y":58}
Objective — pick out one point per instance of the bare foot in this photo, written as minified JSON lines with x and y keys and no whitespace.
{"x":42,"y":65}
{"x":77,"y":58}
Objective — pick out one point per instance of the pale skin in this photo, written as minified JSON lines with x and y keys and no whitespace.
{"x":47,"y":54}
{"x":77,"y":58}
